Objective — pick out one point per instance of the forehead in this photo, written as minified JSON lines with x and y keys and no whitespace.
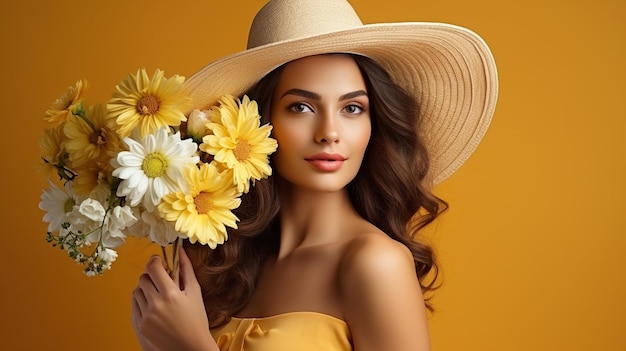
{"x":332,"y":73}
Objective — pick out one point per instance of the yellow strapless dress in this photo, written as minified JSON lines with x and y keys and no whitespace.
{"x":302,"y":331}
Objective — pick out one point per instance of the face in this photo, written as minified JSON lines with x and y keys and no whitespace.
{"x":321,"y":120}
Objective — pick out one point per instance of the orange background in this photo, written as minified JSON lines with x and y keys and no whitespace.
{"x":533,"y":248}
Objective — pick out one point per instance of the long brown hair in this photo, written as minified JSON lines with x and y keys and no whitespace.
{"x":388,"y":191}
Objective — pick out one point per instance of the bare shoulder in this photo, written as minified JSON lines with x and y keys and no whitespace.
{"x":381,"y":296}
{"x":373,"y":253}
{"x":373,"y":259}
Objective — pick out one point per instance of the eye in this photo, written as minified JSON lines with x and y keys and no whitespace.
{"x":299,"y":107}
{"x":353,"y":109}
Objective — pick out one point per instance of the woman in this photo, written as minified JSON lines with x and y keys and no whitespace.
{"x":327,"y":254}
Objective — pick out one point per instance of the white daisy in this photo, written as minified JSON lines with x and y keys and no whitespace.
{"x":57,"y":203}
{"x":152,"y":168}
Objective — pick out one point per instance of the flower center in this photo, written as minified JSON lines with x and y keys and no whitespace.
{"x":154,"y":165}
{"x":148,"y":105}
{"x":203,"y":202}
{"x":97,"y":138}
{"x":68,"y":206}
{"x":242,"y":150}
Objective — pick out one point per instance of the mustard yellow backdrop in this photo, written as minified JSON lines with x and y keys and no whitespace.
{"x":533,"y":248}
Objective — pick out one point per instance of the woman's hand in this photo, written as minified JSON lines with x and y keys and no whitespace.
{"x":167,"y":315}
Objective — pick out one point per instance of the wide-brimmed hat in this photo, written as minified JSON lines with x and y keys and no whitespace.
{"x":448,"y":69}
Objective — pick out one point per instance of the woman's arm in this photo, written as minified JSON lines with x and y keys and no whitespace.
{"x":382,"y":298}
{"x":167,"y":315}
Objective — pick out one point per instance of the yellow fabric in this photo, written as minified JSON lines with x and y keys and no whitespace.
{"x":302,"y":331}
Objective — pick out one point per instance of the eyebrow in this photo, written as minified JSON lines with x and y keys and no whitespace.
{"x":315,"y":96}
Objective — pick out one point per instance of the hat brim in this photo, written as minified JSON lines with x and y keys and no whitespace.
{"x":449,"y":69}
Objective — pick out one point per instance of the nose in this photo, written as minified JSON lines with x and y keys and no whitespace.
{"x":327,"y":129}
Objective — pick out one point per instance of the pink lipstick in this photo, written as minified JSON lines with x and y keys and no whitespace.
{"x":326,"y":162}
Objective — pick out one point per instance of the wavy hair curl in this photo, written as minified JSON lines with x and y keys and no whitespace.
{"x":389,"y":191}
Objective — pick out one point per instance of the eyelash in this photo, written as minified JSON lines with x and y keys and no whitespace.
{"x":359,"y":108}
{"x":299,"y":107}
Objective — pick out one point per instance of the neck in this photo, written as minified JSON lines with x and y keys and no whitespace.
{"x":309,"y":218}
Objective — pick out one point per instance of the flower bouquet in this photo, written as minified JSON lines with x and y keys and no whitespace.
{"x":138,"y":165}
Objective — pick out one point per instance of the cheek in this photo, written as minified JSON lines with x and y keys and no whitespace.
{"x":360,"y":136}
{"x":288,"y":142}
{"x":286,"y":136}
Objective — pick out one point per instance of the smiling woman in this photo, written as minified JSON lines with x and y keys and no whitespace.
{"x":320,"y":114}
{"x":328,"y":252}
{"x":539,"y":202}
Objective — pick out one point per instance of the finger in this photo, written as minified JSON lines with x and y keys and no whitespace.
{"x":147,"y":287}
{"x":188,"y":276}
{"x":155,"y":260}
{"x":175,"y":272}
{"x":136,"y":314}
{"x":139,"y":299}
{"x":158,"y":275}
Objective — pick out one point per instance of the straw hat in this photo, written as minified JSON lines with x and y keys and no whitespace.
{"x":449,"y":69}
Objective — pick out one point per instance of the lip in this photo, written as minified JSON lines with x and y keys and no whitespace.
{"x":326,"y":162}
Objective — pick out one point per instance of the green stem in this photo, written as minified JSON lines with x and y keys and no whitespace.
{"x":81,"y":115}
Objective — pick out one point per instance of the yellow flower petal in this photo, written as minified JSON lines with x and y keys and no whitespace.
{"x":146,"y":104}
{"x":206,"y":210}
{"x":62,"y":107}
{"x":238,"y":141}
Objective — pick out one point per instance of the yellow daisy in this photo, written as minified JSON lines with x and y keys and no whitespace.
{"x":238,"y":140}
{"x":89,"y":139}
{"x":88,"y":177}
{"x":204,"y":212}
{"x":63,"y":107}
{"x":147,"y":103}
{"x":51,"y":145}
